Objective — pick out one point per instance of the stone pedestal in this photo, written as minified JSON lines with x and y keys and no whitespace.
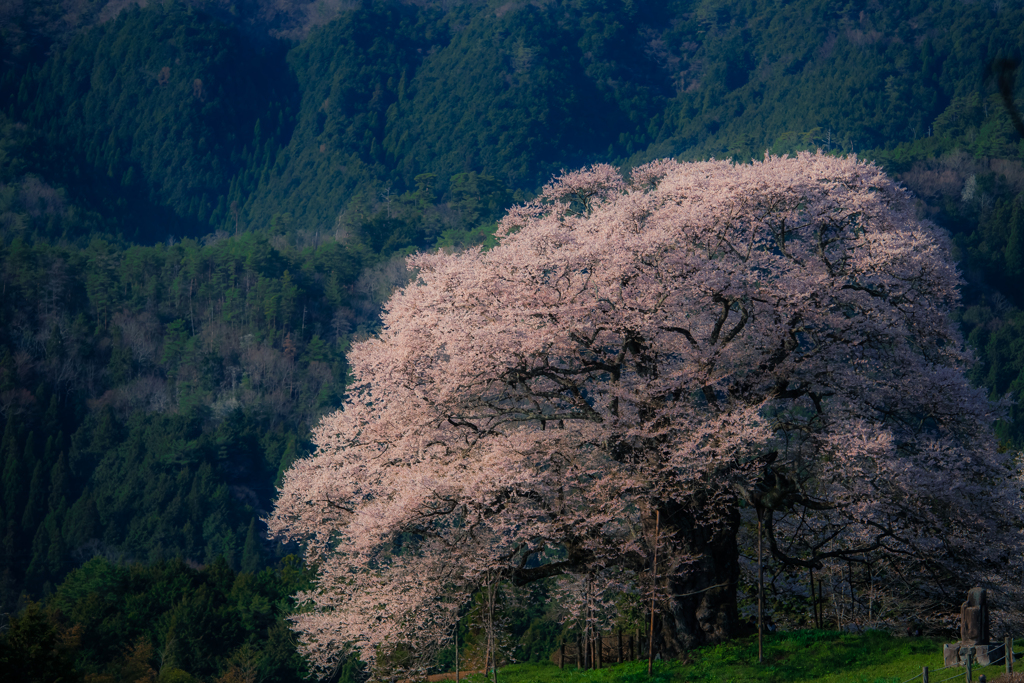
{"x":984,"y":654}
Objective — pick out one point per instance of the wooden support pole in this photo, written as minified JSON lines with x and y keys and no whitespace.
{"x":654,"y":587}
{"x":814,"y":606}
{"x":821,"y":608}
{"x":853,"y":605}
{"x":924,"y":674}
{"x":1008,"y":653}
{"x":760,"y":593}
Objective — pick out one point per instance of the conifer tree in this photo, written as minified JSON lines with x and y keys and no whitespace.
{"x":1015,"y":243}
{"x":14,"y":476}
{"x":35,"y":506}
{"x":251,"y":560}
{"x":60,"y":483}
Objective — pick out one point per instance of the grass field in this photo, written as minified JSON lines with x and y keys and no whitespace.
{"x":793,"y":657}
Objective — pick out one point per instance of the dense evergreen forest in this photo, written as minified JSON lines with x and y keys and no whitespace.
{"x":203,"y":205}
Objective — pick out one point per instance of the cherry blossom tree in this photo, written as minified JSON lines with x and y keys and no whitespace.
{"x":693,"y":339}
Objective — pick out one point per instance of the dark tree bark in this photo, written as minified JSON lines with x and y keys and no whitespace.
{"x":703,"y":610}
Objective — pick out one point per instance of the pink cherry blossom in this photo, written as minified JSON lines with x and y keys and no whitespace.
{"x":667,"y":342}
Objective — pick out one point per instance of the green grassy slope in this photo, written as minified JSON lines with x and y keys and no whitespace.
{"x":794,"y":657}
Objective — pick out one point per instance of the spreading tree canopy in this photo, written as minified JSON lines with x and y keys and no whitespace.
{"x":697,"y":341}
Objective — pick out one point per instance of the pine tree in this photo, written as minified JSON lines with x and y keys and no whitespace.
{"x":56,"y":554}
{"x":51,"y":420}
{"x":82,"y":522}
{"x":37,"y":560}
{"x":35,"y":507}
{"x":251,"y":550}
{"x":60,"y":483}
{"x":9,"y":434}
{"x":14,"y":478}
{"x":1015,"y":244}
{"x":8,"y":569}
{"x":8,"y":468}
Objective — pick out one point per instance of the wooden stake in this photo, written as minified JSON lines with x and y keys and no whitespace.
{"x":871,"y":593}
{"x":821,"y":608}
{"x":654,"y":586}
{"x":588,"y":638}
{"x":814,"y":602}
{"x":760,"y":592}
{"x":853,"y":605}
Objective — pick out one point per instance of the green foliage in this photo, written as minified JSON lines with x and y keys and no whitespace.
{"x":159,"y":110}
{"x":174,"y":386}
{"x":996,"y":330}
{"x":166,"y":120}
{"x":166,"y":621}
{"x":784,"y":76}
{"x":349,"y":74}
{"x":508,"y":95}
{"x":36,"y":648}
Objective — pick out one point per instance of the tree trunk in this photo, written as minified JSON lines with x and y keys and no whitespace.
{"x":703,"y":611}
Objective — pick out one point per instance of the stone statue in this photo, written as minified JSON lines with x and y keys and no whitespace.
{"x":974,"y":619}
{"x":975,"y":635}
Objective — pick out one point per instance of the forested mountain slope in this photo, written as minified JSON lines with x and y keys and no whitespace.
{"x":151,"y":117}
{"x":202,"y":207}
{"x":160,"y":107}
{"x":854,"y":77}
